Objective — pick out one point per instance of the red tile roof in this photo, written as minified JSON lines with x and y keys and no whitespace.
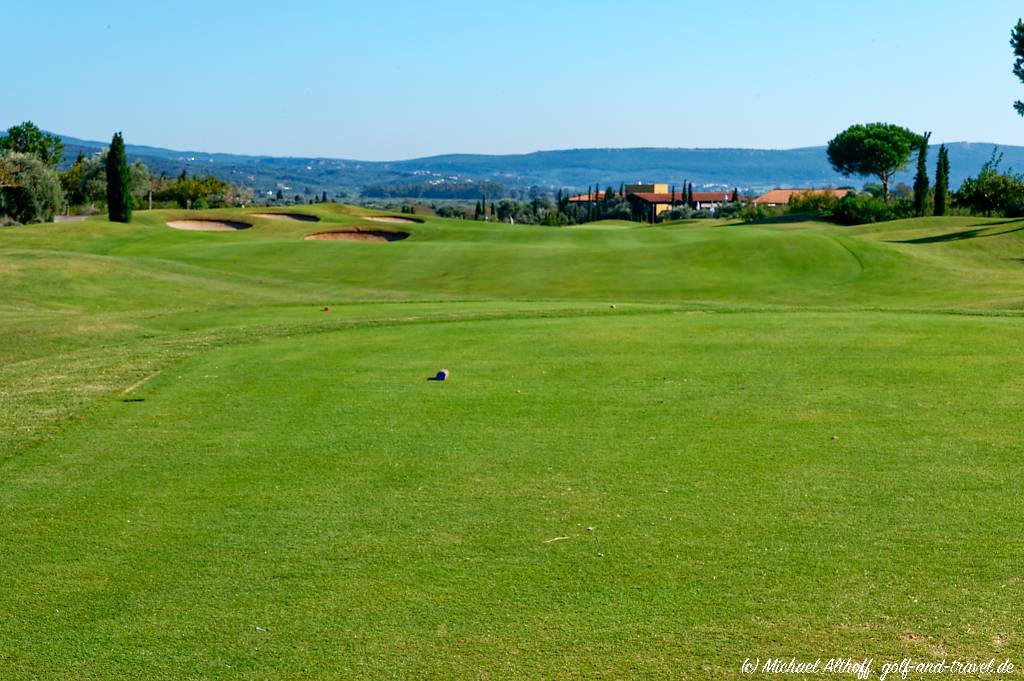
{"x":781,"y":197}
{"x":712,"y":197}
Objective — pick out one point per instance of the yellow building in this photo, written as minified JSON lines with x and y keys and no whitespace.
{"x":646,"y":189}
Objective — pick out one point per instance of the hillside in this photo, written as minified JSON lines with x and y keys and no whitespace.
{"x":749,"y":169}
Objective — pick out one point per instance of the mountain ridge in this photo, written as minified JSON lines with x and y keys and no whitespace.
{"x":577,"y":168}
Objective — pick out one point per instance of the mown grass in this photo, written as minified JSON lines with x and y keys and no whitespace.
{"x":795,"y":440}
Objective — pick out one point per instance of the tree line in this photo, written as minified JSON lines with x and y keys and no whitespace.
{"x":33,"y":190}
{"x":439,"y":190}
{"x":880,"y":150}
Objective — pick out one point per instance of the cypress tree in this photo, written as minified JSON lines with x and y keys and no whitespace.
{"x":921,"y":179}
{"x":735,"y":194}
{"x":119,"y":182}
{"x":942,"y":181}
{"x":476,"y":213}
{"x":673,"y":202}
{"x":689,"y":194}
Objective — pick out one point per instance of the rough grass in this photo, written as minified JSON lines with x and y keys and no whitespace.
{"x":794,"y":440}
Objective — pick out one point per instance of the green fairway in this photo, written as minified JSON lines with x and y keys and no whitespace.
{"x":662,"y":449}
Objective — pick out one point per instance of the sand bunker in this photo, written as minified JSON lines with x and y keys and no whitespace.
{"x":358,"y":235}
{"x":297,"y":217}
{"x":393,"y":220}
{"x":208,"y":225}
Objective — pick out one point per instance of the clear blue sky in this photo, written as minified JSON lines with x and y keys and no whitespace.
{"x":400,"y":79}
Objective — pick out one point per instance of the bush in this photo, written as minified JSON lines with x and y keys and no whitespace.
{"x":31,"y":190}
{"x":687,"y":213}
{"x":811,"y":202}
{"x":731,"y":210}
{"x":681,"y":212}
{"x":992,"y":192}
{"x":756,"y":213}
{"x":189,"y":191}
{"x":555,"y":219}
{"x":861,"y":209}
{"x":617,"y":209}
{"x":85,"y":182}
{"x":452,"y":212}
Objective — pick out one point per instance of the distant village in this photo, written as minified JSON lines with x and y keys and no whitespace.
{"x":650,"y":201}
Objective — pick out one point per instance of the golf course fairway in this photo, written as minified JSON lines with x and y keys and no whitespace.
{"x":661,"y":450}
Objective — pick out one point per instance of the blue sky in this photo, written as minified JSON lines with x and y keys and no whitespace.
{"x":393,"y":80}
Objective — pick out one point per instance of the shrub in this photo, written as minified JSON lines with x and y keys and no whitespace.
{"x":860,"y":209}
{"x":555,"y":219}
{"x":189,"y":191}
{"x":681,"y":212}
{"x":85,"y":182}
{"x":617,"y":209}
{"x":30,"y":190}
{"x":731,"y":210}
{"x":823,"y":203}
{"x":992,"y":192}
{"x":755,"y":213}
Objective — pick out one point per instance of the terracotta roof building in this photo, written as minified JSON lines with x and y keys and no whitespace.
{"x":652,"y":204}
{"x":781,"y":197}
{"x":648,"y":201}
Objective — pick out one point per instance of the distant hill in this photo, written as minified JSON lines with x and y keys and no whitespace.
{"x":748,"y":169}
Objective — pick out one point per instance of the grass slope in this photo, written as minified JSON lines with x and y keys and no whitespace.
{"x":784,"y":440}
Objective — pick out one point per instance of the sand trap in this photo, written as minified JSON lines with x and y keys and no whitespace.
{"x":358,"y":235}
{"x":393,"y":220}
{"x":208,"y":225}
{"x":297,"y":217}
